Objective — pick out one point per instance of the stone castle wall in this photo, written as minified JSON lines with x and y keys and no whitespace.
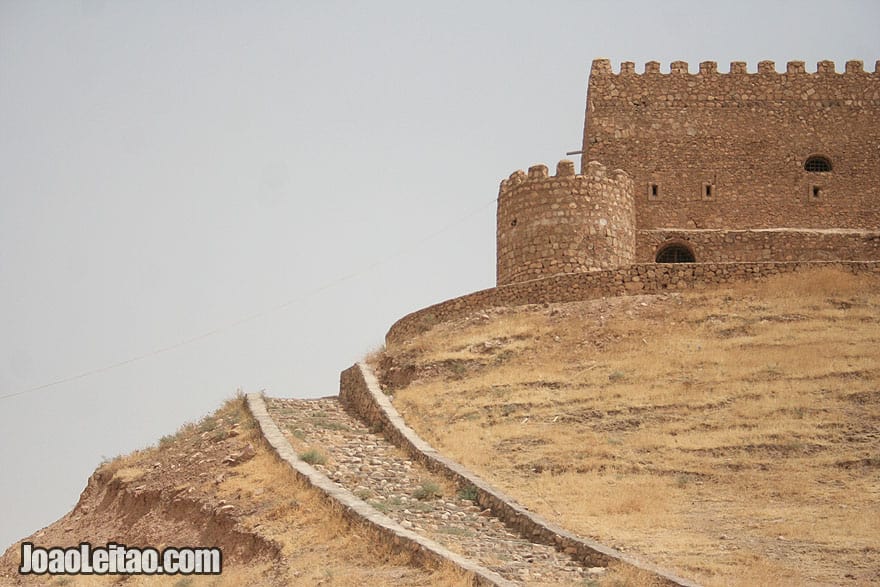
{"x":723,"y":246}
{"x":563,"y":224}
{"x":710,"y":150}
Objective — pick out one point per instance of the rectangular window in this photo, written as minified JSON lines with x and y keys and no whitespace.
{"x":653,"y":191}
{"x":708,"y":191}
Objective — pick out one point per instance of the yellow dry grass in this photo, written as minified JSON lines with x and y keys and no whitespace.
{"x":319,"y":546}
{"x":731,"y":434}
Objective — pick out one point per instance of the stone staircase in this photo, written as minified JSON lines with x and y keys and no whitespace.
{"x":360,"y":454}
{"x":376,"y":471}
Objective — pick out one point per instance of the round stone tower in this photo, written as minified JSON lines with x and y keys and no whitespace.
{"x":567,"y":223}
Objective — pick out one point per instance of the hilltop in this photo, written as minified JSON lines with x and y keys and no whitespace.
{"x":728,"y":434}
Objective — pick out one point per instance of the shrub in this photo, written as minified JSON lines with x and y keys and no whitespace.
{"x":468,"y":492}
{"x":428,"y":490}
{"x":313,"y":457}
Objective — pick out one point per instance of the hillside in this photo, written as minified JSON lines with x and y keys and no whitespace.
{"x":215,"y":483}
{"x":730,"y":435}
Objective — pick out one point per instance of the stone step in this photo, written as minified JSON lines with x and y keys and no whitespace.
{"x":375,"y":470}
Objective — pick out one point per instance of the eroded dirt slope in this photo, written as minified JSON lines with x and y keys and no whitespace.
{"x":216,"y":484}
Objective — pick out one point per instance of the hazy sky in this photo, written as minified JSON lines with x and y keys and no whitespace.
{"x":168,"y":169}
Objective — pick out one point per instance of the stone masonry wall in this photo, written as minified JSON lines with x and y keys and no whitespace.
{"x":565,"y":223}
{"x":641,"y":278}
{"x":746,"y":136}
{"x":763,"y":244}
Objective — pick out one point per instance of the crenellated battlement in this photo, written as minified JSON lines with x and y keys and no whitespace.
{"x":565,"y":170}
{"x":602,"y":67}
{"x":707,"y":87}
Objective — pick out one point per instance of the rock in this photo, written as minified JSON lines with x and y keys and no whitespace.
{"x":246,"y":454}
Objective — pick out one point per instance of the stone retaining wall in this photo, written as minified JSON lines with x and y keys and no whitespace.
{"x":639,"y":278}
{"x":425,"y":552}
{"x":361,"y":395}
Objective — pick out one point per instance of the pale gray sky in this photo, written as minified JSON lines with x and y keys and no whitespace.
{"x":169,"y":168}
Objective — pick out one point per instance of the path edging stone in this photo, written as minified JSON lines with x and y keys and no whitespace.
{"x":361,"y":394}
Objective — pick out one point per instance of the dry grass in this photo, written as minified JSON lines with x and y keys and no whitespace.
{"x":319,"y":545}
{"x":730,"y":434}
{"x":316,"y":545}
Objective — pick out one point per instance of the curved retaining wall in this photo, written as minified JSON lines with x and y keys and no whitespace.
{"x":360,"y":393}
{"x":425,"y":551}
{"x":573,"y":287}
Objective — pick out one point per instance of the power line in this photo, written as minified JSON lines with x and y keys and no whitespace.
{"x":256,"y":315}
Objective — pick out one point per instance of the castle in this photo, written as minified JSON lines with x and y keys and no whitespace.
{"x":705,"y":167}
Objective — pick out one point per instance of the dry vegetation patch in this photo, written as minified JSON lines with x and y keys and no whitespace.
{"x":732,"y":435}
{"x":216,"y":483}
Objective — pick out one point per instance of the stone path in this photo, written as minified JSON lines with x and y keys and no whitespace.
{"x":379,"y":473}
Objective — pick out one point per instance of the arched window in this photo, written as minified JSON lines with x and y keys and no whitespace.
{"x":817,"y":164}
{"x":675,"y":253}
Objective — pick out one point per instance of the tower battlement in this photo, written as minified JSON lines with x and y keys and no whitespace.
{"x":563,"y":223}
{"x":708,"y":87}
{"x":628,"y":68}
{"x":564,"y":168}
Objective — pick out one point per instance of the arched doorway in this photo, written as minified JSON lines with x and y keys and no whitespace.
{"x":675,"y":253}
